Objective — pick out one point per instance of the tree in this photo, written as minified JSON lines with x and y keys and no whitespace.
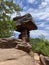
{"x":6,"y":24}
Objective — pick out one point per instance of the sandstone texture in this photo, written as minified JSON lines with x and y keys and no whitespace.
{"x":15,"y":57}
{"x":15,"y":52}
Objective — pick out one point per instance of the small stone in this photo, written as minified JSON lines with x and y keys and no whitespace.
{"x":36,"y":56}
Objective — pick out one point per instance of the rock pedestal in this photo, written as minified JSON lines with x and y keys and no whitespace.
{"x":24,"y":24}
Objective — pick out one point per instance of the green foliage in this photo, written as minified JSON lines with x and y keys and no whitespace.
{"x":6,"y":24}
{"x":40,"y":45}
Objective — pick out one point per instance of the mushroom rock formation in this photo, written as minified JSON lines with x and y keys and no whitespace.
{"x":24,"y":24}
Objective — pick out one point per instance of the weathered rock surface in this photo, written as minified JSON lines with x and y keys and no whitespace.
{"x":15,"y":43}
{"x":44,"y":60}
{"x":15,"y":52}
{"x":15,"y":57}
{"x":37,"y":59}
{"x":25,"y":21}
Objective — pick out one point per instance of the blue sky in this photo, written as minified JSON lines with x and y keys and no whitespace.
{"x":39,"y":9}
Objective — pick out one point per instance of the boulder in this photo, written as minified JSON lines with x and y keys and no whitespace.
{"x":44,"y":60}
{"x":15,"y":57}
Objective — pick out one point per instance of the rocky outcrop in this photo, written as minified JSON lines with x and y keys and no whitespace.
{"x":12,"y":52}
{"x":17,"y":52}
{"x":15,"y":57}
{"x":15,"y":43}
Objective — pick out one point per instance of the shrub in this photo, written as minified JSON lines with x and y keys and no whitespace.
{"x":41,"y":46}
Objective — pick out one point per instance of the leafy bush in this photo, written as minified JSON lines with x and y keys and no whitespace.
{"x":41,"y":46}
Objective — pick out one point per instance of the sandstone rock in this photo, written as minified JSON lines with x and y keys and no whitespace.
{"x":12,"y":52}
{"x":15,"y":57}
{"x":36,"y":57}
{"x":15,"y":43}
{"x":31,"y":53}
{"x":24,"y":46}
{"x":44,"y":60}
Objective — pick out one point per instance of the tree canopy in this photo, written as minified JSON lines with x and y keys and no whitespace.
{"x":6,"y":24}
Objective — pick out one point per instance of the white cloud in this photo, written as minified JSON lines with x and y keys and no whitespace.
{"x":47,"y":19}
{"x":42,"y":24}
{"x":47,"y":1}
{"x":20,"y":3}
{"x":44,"y":9}
{"x":41,"y":13}
{"x":31,"y":1}
{"x":37,"y":33}
{"x":38,"y":13}
{"x":47,"y":28}
{"x":43,"y":4}
{"x":22,"y":13}
{"x":44,"y":15}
